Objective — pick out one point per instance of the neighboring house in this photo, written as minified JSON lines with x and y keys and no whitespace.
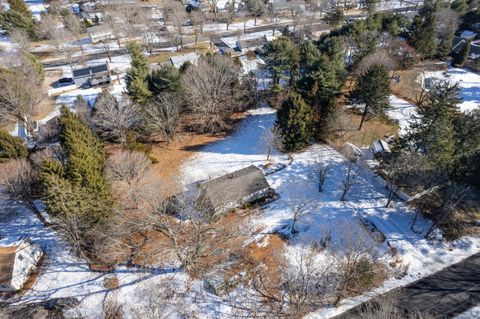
{"x":100,"y":33}
{"x":17,"y":262}
{"x":379,"y":147}
{"x":92,"y":75}
{"x":179,"y":60}
{"x":279,"y":7}
{"x":459,"y":43}
{"x":219,"y":195}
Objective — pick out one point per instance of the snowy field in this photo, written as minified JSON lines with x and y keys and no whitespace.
{"x":403,"y":112}
{"x":367,"y":199}
{"x":469,"y":82}
{"x":65,"y":275}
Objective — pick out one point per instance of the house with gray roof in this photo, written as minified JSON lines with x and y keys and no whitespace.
{"x":91,"y":75}
{"x":224,"y":193}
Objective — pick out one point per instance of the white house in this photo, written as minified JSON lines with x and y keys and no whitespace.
{"x":17,"y":261}
{"x":379,"y":147}
{"x":179,"y":60}
{"x":100,"y":33}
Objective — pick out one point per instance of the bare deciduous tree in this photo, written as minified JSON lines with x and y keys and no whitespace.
{"x":323,"y":171}
{"x":163,"y":115}
{"x":21,"y":38}
{"x":272,"y":139}
{"x":453,"y":196}
{"x":349,"y":180}
{"x":115,"y":119}
{"x":75,"y":26}
{"x":129,"y":168}
{"x":211,"y":91}
{"x":20,"y":180}
{"x":19,"y":97}
{"x":299,"y":206}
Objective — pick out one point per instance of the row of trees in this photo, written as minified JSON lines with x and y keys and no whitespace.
{"x":205,"y":94}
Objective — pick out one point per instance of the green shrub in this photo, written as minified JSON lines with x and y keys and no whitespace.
{"x":11,"y":146}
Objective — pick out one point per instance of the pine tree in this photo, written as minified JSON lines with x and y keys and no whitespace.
{"x":423,"y":33}
{"x":79,"y":189}
{"x":36,"y":64}
{"x":11,"y":19}
{"x":373,"y":90}
{"x":434,"y":131}
{"x":461,"y":6}
{"x":460,"y":58}
{"x":84,"y":151}
{"x":281,"y":57}
{"x":11,"y":146}
{"x":166,"y":79}
{"x":20,"y":7}
{"x":136,"y":79}
{"x":328,"y":118}
{"x":294,"y":121}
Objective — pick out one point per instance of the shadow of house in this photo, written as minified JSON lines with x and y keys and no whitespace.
{"x":224,"y":193}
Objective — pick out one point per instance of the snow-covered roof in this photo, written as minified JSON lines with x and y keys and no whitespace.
{"x":179,"y":60}
{"x":380,"y":146}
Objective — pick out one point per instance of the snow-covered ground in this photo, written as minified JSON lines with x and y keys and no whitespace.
{"x":37,"y":7}
{"x":65,"y":275}
{"x":402,"y":112}
{"x":473,"y":313}
{"x":367,"y":199}
{"x":469,"y":82}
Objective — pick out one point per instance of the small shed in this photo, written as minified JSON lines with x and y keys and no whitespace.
{"x":232,"y":190}
{"x":179,"y":60}
{"x":92,"y":75}
{"x":17,"y":261}
{"x":379,"y":147}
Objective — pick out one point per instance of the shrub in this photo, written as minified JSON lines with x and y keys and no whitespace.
{"x":11,"y":146}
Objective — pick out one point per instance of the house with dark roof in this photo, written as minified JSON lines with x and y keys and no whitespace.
{"x":224,"y":193}
{"x":17,"y":261}
{"x":92,"y":75}
{"x":459,"y":43}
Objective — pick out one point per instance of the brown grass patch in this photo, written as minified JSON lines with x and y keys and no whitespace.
{"x":111,"y":282}
{"x":372,"y":129}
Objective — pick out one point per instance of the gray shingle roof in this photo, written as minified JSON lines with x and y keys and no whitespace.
{"x":233,"y":187}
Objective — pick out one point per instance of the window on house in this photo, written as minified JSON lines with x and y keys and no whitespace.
{"x":20,"y":257}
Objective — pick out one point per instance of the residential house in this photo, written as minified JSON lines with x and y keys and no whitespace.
{"x":179,"y":60}
{"x":92,"y":75}
{"x":220,"y":195}
{"x":100,"y":33}
{"x":17,"y":261}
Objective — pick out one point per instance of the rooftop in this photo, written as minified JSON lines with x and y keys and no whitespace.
{"x":234,"y":186}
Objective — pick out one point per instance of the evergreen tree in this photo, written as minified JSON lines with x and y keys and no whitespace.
{"x":423,"y":33}
{"x":11,"y":19}
{"x":434,"y":131}
{"x":11,"y":146}
{"x":20,"y":7}
{"x":136,"y":79}
{"x":335,"y":17}
{"x":373,"y":90}
{"x":282,"y":58}
{"x":460,"y":58}
{"x":84,"y":151}
{"x":36,"y":64}
{"x":309,"y":55}
{"x":166,"y":79}
{"x":294,"y":121}
{"x":461,"y":6}
{"x":328,"y":118}
{"x":370,"y":5}
{"x":79,"y":190}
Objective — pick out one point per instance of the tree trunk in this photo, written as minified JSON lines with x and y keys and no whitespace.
{"x":364,"y":115}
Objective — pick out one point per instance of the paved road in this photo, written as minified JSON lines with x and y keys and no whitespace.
{"x":445,"y":294}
